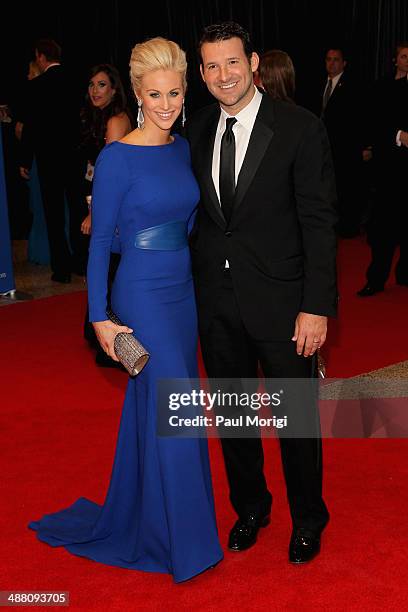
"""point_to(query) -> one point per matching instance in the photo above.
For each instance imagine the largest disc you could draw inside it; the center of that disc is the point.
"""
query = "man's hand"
(24, 173)
(310, 333)
(404, 138)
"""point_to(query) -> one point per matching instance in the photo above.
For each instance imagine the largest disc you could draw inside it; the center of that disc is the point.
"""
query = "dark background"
(92, 32)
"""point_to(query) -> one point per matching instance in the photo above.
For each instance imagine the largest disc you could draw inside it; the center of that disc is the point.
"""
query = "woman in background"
(277, 75)
(104, 119)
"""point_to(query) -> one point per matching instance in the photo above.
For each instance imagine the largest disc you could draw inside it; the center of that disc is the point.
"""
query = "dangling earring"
(140, 116)
(183, 115)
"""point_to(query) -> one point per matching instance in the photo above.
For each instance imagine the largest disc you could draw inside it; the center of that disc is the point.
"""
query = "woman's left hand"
(106, 332)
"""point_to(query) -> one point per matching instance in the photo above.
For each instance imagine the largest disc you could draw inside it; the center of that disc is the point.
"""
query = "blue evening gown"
(158, 514)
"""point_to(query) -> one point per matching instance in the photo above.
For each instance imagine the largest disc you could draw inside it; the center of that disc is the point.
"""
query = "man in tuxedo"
(263, 252)
(50, 134)
(341, 111)
(389, 224)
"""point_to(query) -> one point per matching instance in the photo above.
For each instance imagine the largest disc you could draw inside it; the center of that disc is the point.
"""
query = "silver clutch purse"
(130, 352)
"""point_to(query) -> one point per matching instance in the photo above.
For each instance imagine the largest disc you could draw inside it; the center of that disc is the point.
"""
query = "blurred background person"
(50, 135)
(38, 248)
(342, 113)
(33, 71)
(401, 60)
(277, 75)
(105, 118)
(388, 228)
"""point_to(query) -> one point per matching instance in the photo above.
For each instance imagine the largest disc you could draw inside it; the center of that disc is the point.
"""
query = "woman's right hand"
(106, 332)
(86, 225)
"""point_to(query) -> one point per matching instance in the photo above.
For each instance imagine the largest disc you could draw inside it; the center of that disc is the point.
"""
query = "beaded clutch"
(130, 352)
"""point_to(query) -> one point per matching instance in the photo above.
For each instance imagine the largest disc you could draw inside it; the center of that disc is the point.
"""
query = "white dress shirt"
(242, 132)
(51, 65)
(334, 81)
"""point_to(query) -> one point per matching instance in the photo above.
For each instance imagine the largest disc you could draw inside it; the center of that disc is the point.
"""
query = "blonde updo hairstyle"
(156, 54)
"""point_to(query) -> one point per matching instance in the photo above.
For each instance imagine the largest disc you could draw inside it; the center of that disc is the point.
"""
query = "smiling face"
(335, 63)
(401, 61)
(100, 90)
(162, 95)
(228, 73)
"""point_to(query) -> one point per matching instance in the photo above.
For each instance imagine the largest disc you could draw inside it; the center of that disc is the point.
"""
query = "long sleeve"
(110, 184)
(316, 197)
(27, 118)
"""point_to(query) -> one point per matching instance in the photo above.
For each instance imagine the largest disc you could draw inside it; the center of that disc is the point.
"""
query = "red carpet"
(58, 423)
(370, 333)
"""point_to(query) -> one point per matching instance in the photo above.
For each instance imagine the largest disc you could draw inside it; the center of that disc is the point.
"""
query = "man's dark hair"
(224, 31)
(49, 48)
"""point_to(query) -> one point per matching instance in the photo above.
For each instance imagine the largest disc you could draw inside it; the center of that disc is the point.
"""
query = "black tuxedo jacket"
(50, 118)
(344, 119)
(391, 161)
(280, 242)
(390, 115)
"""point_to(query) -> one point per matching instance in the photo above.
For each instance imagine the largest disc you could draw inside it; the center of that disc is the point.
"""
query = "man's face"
(401, 60)
(228, 74)
(41, 60)
(335, 63)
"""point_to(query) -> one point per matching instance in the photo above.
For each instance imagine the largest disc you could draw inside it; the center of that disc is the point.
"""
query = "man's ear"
(202, 72)
(254, 61)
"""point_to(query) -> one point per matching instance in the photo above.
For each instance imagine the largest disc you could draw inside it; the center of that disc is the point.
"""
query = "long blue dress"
(158, 514)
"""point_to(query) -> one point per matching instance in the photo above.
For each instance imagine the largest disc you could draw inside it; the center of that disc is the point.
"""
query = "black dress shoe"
(304, 545)
(61, 278)
(244, 533)
(369, 290)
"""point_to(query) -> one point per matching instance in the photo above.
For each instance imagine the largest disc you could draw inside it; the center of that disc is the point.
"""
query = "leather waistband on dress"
(170, 236)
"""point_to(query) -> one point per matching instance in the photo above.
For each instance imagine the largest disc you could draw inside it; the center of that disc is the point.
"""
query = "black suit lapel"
(337, 89)
(204, 168)
(262, 134)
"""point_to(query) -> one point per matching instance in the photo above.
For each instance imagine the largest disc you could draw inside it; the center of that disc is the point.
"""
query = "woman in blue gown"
(158, 514)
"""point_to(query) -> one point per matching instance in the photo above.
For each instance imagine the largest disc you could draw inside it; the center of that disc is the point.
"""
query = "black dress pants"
(387, 231)
(348, 170)
(230, 352)
(59, 183)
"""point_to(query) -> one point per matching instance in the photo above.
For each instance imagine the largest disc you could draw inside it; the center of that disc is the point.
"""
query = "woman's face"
(100, 90)
(162, 95)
